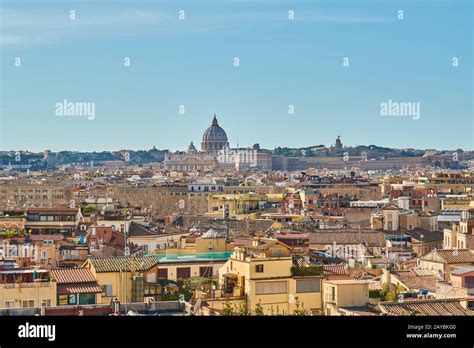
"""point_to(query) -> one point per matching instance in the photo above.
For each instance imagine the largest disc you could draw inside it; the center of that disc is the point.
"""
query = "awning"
(230, 275)
(81, 288)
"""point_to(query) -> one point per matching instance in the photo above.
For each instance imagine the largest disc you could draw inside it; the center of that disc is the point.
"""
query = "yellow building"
(211, 241)
(26, 288)
(344, 294)
(244, 203)
(263, 274)
(126, 278)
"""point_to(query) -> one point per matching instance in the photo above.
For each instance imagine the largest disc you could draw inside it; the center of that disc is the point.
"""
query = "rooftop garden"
(313, 270)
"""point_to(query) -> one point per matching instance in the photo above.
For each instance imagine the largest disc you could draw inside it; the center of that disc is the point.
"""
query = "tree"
(244, 309)
(300, 310)
(90, 208)
(390, 292)
(258, 309)
(227, 309)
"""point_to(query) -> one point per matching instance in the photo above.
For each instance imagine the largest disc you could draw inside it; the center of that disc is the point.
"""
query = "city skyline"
(284, 64)
(238, 146)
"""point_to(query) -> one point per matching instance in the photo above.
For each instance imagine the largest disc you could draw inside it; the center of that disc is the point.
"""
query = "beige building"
(344, 293)
(26, 288)
(186, 161)
(391, 218)
(41, 250)
(130, 279)
(461, 235)
(21, 194)
(460, 284)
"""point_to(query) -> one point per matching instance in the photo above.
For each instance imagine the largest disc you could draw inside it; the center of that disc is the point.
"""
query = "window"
(86, 298)
(28, 303)
(308, 285)
(62, 300)
(47, 302)
(205, 272)
(183, 272)
(9, 304)
(276, 253)
(107, 290)
(163, 273)
(333, 293)
(259, 268)
(267, 288)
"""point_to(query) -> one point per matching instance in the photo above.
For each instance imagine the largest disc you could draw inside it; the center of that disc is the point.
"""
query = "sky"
(286, 64)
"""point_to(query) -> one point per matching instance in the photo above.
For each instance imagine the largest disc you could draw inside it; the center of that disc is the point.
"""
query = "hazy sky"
(190, 62)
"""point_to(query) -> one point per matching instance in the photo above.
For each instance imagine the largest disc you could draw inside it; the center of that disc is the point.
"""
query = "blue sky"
(282, 62)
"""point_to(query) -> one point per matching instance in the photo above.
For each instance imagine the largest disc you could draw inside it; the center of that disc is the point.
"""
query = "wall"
(28, 291)
(347, 295)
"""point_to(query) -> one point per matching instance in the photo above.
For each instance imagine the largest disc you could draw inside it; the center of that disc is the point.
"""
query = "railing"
(39, 284)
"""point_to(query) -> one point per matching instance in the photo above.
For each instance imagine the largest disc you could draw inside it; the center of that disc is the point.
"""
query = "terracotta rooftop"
(82, 288)
(40, 237)
(414, 281)
(348, 237)
(438, 307)
(454, 255)
(123, 263)
(335, 270)
(73, 275)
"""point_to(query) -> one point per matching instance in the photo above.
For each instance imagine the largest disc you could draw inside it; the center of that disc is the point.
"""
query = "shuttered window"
(163, 273)
(266, 288)
(106, 290)
(308, 285)
(183, 272)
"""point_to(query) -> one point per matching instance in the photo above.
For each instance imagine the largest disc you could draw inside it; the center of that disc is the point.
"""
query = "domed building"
(214, 138)
(209, 158)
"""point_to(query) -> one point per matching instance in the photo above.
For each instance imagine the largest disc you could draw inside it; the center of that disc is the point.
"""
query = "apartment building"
(263, 274)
